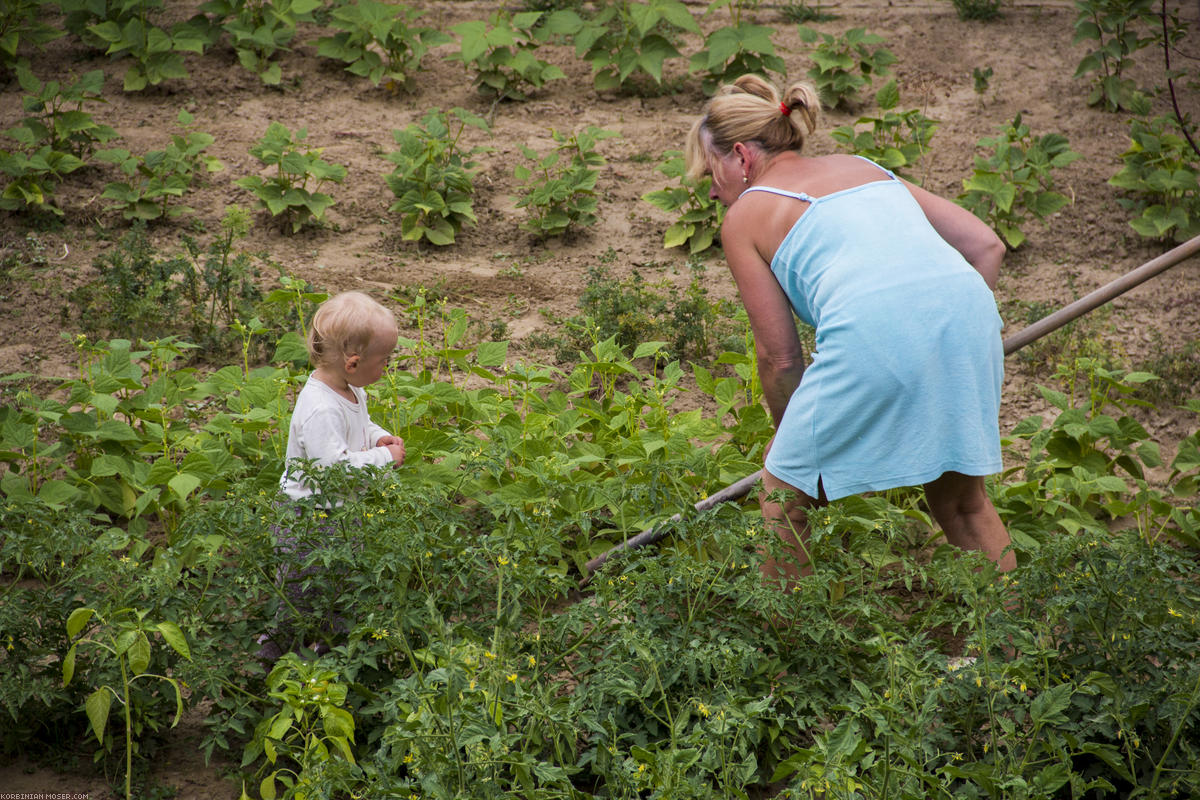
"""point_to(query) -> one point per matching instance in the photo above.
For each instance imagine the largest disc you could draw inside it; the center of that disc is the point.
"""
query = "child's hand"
(395, 446)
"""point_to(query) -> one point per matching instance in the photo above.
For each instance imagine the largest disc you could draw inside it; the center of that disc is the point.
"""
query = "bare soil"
(499, 272)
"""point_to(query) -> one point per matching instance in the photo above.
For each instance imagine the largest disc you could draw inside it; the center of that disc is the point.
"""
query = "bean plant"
(1114, 30)
(379, 41)
(433, 176)
(502, 54)
(21, 26)
(54, 141)
(1014, 182)
(260, 30)
(157, 52)
(735, 49)
(559, 190)
(286, 194)
(700, 216)
(56, 116)
(896, 140)
(1160, 179)
(844, 66)
(160, 175)
(626, 41)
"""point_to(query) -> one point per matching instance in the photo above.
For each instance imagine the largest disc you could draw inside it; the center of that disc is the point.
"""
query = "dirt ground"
(499, 272)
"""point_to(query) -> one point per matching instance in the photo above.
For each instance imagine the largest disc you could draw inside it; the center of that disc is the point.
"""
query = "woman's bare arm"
(777, 346)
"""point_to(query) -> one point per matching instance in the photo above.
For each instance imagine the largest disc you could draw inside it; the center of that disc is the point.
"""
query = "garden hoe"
(1037, 330)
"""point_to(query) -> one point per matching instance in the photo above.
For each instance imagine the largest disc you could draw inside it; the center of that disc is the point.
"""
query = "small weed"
(801, 11)
(978, 10)
(982, 79)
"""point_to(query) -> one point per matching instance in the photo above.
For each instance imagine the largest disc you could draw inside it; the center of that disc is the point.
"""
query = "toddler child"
(349, 343)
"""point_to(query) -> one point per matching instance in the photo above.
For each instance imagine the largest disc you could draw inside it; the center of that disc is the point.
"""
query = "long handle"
(736, 491)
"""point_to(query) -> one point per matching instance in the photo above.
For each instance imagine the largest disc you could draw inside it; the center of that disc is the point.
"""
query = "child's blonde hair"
(343, 327)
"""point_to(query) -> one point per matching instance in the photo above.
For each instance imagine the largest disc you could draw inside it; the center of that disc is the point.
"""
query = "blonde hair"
(751, 110)
(343, 327)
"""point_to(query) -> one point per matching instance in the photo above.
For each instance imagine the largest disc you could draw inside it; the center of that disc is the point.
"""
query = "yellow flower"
(703, 709)
(978, 681)
(512, 678)
(532, 661)
(1024, 688)
(488, 654)
(408, 759)
(502, 561)
(1173, 612)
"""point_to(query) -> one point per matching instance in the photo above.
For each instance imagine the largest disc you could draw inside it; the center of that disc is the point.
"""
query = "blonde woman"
(904, 385)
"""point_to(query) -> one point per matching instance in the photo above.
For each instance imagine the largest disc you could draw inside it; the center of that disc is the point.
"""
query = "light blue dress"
(905, 381)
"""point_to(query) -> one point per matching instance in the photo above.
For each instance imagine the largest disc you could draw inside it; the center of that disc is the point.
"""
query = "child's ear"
(352, 363)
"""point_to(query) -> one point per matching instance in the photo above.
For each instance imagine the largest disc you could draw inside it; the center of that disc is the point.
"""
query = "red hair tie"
(785, 109)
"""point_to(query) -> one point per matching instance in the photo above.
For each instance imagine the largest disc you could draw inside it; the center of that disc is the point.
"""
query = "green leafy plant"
(1161, 180)
(502, 54)
(198, 293)
(157, 52)
(432, 179)
(1014, 182)
(626, 41)
(559, 190)
(735, 49)
(122, 635)
(57, 118)
(700, 216)
(1090, 467)
(20, 25)
(160, 175)
(53, 141)
(311, 723)
(844, 66)
(981, 10)
(379, 41)
(896, 140)
(260, 30)
(1115, 29)
(287, 194)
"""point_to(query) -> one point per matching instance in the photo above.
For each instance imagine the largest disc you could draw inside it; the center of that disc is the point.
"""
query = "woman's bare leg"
(789, 521)
(961, 506)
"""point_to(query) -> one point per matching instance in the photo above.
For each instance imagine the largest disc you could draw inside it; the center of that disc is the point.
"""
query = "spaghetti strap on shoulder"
(784, 192)
(885, 170)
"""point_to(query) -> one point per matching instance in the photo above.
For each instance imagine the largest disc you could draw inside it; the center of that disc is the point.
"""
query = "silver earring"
(745, 179)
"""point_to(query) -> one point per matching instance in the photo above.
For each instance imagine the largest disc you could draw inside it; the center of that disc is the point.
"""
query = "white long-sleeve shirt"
(328, 428)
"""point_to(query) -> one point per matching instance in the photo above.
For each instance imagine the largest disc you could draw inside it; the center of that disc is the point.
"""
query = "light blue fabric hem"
(838, 491)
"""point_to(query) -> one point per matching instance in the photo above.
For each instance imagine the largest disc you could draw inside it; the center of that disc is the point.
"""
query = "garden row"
(626, 43)
(139, 570)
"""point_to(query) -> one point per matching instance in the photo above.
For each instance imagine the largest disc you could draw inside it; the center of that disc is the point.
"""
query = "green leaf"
(68, 667)
(491, 354)
(175, 638)
(184, 484)
(139, 654)
(97, 706)
(78, 620)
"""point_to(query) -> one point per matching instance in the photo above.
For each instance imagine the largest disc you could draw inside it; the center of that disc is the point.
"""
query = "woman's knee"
(956, 494)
